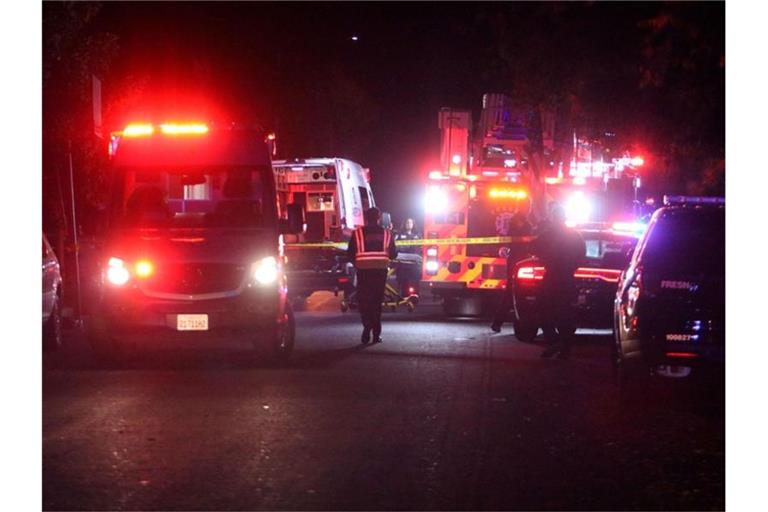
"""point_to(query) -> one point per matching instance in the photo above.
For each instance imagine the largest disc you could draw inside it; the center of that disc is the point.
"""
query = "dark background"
(651, 72)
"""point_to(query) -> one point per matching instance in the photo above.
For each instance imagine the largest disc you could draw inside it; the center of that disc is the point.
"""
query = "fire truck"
(194, 246)
(468, 205)
(334, 193)
(484, 180)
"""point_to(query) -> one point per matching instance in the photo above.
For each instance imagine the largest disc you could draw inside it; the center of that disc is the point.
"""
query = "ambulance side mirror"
(295, 223)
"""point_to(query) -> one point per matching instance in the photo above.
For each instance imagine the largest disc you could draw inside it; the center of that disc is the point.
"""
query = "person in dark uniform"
(561, 250)
(408, 272)
(518, 226)
(371, 248)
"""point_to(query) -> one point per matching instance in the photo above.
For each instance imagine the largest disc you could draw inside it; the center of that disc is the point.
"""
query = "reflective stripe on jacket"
(371, 259)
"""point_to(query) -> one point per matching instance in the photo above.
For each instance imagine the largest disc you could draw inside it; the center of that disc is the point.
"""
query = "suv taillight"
(531, 273)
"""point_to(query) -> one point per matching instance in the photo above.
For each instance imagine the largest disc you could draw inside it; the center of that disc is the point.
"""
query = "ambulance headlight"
(432, 266)
(578, 208)
(117, 272)
(435, 202)
(265, 271)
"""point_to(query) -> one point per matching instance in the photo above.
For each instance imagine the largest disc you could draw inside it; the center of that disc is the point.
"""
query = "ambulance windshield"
(195, 198)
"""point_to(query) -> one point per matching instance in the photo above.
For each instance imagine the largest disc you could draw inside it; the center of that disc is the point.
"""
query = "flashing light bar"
(184, 128)
(670, 200)
(138, 130)
(436, 175)
(629, 227)
(146, 129)
(502, 193)
(490, 173)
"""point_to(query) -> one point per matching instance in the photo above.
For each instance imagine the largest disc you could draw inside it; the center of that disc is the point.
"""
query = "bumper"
(592, 310)
(137, 317)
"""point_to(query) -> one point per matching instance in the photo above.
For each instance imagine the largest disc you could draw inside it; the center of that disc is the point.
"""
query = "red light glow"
(138, 130)
(605, 274)
(687, 355)
(184, 128)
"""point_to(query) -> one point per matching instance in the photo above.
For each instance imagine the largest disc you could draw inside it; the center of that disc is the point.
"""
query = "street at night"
(323, 256)
(442, 415)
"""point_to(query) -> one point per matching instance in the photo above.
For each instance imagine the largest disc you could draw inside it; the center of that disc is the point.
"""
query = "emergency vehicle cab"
(334, 193)
(194, 247)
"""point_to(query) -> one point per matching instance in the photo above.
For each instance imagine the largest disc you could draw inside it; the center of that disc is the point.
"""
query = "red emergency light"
(146, 129)
(138, 130)
(184, 128)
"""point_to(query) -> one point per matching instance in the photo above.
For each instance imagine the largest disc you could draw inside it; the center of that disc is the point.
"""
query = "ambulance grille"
(196, 278)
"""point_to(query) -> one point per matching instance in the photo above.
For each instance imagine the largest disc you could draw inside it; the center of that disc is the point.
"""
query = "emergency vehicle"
(334, 193)
(468, 205)
(608, 250)
(669, 309)
(194, 249)
(485, 179)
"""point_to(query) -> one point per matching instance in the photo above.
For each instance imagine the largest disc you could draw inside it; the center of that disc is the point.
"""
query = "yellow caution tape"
(424, 241)
(466, 241)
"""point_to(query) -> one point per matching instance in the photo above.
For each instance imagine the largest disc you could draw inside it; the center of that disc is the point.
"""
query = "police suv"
(669, 310)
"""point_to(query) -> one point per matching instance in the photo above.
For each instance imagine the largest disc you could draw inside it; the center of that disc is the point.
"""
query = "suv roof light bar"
(672, 200)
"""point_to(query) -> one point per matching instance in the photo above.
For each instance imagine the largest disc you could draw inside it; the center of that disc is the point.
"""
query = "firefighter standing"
(561, 250)
(518, 226)
(371, 248)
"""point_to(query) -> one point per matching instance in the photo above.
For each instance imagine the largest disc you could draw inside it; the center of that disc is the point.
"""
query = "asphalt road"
(442, 415)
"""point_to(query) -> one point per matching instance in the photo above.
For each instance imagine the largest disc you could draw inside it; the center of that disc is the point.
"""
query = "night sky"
(296, 68)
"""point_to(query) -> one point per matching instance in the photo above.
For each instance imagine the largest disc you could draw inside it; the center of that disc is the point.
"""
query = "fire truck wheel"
(277, 348)
(52, 330)
(525, 331)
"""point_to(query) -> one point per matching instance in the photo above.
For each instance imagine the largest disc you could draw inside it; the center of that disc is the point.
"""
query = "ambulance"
(334, 193)
(194, 249)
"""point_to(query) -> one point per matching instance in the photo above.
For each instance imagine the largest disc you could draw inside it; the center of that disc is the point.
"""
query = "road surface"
(442, 415)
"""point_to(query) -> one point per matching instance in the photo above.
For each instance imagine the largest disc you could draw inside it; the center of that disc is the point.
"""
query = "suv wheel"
(525, 331)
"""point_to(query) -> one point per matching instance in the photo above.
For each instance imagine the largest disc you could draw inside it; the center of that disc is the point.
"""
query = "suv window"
(687, 241)
(608, 251)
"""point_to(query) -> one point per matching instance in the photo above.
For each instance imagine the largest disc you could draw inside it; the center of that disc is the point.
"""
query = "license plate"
(192, 322)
